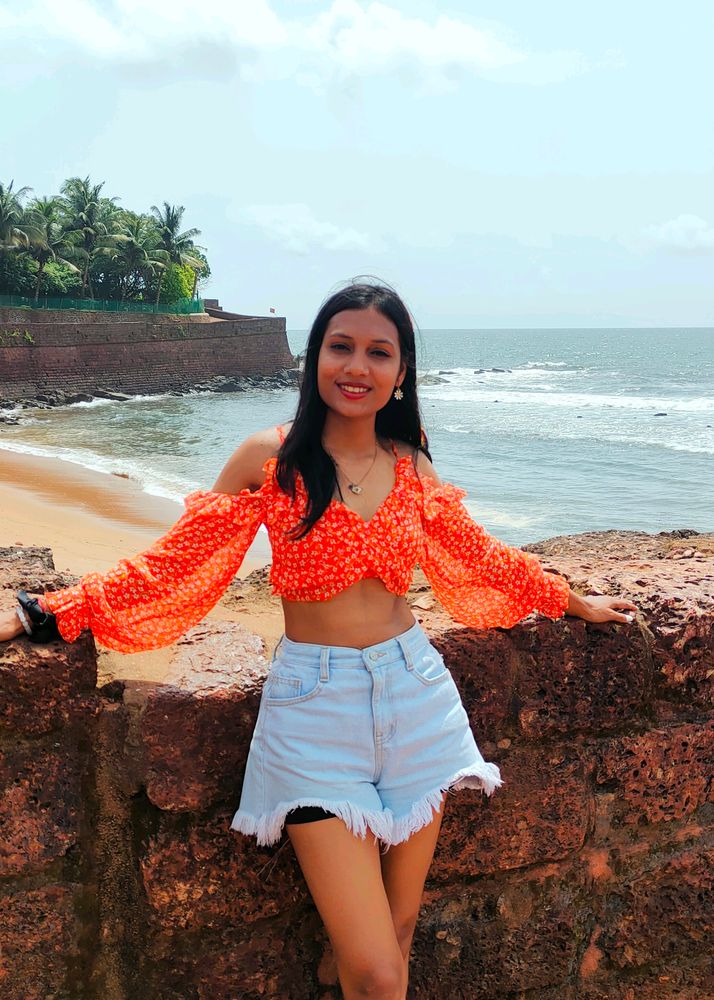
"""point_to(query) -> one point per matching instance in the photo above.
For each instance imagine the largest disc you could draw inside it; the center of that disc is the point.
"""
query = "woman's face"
(359, 364)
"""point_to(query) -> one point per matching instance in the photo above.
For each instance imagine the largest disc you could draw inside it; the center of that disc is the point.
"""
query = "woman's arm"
(151, 599)
(482, 581)
(10, 625)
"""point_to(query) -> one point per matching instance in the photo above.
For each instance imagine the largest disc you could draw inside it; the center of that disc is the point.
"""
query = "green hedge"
(97, 305)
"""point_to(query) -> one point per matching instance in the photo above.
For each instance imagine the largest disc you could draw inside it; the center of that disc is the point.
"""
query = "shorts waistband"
(406, 645)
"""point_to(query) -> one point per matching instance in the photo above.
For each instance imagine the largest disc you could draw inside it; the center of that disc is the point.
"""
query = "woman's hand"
(10, 626)
(599, 608)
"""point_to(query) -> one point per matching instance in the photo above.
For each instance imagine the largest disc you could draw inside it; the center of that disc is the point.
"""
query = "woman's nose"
(356, 363)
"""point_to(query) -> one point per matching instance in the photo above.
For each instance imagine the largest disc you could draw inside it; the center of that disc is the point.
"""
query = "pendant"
(354, 488)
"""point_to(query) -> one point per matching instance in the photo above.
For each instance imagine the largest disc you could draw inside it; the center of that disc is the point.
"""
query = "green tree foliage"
(18, 274)
(177, 283)
(82, 244)
(16, 227)
(61, 278)
(48, 241)
(179, 246)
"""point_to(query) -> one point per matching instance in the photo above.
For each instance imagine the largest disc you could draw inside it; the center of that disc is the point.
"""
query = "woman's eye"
(337, 347)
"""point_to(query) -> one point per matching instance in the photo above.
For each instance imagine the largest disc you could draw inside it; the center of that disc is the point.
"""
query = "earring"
(398, 394)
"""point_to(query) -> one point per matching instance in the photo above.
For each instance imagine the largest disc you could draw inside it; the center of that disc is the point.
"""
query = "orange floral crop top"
(153, 598)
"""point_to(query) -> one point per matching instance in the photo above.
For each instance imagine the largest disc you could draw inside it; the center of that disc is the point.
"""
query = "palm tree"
(137, 252)
(86, 220)
(16, 227)
(178, 245)
(48, 240)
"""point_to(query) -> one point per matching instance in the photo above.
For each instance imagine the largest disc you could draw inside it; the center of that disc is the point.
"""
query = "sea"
(550, 432)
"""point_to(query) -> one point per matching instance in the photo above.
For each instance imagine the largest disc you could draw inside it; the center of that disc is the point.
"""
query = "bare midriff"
(361, 615)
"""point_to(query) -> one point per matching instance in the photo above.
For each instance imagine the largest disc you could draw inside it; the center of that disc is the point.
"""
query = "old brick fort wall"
(44, 350)
(587, 876)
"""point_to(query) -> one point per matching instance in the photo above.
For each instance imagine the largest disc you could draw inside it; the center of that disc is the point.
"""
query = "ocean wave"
(100, 401)
(568, 400)
(500, 519)
(548, 364)
(598, 434)
(88, 404)
(155, 484)
(498, 372)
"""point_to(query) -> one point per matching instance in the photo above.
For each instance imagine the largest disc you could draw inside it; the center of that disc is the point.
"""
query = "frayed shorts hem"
(385, 826)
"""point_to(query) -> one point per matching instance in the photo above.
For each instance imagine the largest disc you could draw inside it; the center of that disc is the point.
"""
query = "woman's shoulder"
(267, 442)
(421, 463)
(246, 466)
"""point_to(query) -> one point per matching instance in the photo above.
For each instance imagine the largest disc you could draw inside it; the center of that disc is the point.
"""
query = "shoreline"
(92, 519)
(89, 519)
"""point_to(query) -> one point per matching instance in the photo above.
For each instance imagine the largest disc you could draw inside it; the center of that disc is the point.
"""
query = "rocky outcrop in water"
(587, 876)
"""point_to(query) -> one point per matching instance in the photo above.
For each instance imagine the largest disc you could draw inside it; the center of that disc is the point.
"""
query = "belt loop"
(406, 651)
(325, 663)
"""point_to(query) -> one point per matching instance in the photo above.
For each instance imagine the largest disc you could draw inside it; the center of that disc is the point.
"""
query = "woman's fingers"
(622, 616)
(609, 609)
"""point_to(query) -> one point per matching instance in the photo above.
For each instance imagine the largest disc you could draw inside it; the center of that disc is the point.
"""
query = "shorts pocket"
(429, 667)
(286, 686)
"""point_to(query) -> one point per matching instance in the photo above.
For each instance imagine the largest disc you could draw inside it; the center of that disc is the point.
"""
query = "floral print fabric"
(153, 598)
(481, 581)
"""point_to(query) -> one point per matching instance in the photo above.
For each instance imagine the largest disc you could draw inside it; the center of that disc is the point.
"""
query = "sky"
(510, 164)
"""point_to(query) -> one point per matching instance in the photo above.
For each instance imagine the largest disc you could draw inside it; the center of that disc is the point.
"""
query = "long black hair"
(399, 420)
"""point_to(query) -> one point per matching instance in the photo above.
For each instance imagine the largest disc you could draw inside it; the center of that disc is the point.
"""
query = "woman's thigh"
(404, 870)
(344, 876)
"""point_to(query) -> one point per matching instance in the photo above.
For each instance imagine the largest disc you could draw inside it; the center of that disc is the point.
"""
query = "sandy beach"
(90, 520)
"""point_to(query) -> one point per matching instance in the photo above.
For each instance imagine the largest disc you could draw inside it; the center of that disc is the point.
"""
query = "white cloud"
(361, 38)
(686, 234)
(296, 228)
(349, 38)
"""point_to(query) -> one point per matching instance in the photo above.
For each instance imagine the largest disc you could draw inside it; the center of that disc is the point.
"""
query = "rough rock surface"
(587, 875)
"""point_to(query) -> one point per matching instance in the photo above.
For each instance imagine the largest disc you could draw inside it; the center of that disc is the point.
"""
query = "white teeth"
(354, 389)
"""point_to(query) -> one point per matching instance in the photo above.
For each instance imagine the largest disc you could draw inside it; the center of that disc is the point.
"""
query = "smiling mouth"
(353, 391)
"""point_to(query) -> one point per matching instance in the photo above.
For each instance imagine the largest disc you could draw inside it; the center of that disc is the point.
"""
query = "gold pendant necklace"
(356, 487)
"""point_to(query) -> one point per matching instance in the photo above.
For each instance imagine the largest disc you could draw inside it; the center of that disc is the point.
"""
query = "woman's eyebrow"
(376, 340)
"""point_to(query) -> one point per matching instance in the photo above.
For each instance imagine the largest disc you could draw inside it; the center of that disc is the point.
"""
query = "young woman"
(361, 730)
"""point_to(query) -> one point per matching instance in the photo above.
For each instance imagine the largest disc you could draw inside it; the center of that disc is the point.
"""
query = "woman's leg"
(404, 870)
(344, 876)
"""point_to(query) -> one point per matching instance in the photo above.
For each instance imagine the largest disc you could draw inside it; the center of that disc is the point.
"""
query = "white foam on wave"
(691, 445)
(88, 404)
(519, 373)
(568, 400)
(13, 411)
(100, 401)
(545, 364)
(499, 518)
(160, 485)
(628, 439)
(169, 487)
(153, 397)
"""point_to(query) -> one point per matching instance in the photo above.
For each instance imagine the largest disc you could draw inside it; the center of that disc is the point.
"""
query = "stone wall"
(43, 350)
(587, 875)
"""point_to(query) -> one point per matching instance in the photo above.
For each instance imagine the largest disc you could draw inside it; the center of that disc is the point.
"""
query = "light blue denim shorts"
(373, 735)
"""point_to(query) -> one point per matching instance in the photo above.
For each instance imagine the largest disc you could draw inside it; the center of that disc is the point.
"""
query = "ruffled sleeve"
(481, 581)
(151, 599)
